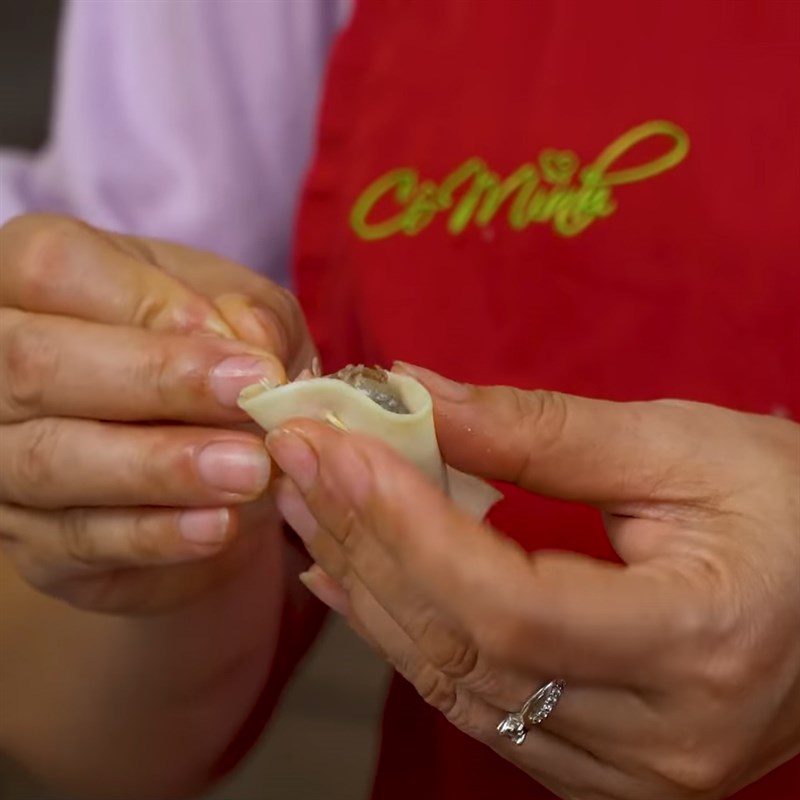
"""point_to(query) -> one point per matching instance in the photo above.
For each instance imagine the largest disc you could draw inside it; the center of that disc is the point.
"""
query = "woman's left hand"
(682, 666)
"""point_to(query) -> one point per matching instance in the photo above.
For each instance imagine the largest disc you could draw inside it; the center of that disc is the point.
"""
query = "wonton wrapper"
(412, 435)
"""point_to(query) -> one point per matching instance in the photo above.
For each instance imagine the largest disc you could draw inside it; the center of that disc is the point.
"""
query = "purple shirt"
(187, 120)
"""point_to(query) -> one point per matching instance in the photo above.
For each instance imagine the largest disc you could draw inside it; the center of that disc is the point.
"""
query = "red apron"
(596, 197)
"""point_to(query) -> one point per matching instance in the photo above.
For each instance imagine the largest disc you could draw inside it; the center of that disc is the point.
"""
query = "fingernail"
(325, 589)
(442, 387)
(295, 511)
(233, 374)
(217, 327)
(235, 467)
(294, 456)
(207, 526)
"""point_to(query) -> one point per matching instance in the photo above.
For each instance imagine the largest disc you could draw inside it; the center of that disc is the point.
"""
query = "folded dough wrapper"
(412, 434)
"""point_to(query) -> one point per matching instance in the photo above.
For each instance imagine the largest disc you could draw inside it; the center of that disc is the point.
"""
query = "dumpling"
(393, 407)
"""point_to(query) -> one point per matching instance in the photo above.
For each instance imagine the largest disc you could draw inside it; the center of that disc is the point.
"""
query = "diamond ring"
(535, 710)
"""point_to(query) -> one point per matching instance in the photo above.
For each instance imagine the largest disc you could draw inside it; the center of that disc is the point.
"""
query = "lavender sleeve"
(190, 120)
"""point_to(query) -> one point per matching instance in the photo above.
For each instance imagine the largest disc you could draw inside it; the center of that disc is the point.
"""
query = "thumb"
(576, 448)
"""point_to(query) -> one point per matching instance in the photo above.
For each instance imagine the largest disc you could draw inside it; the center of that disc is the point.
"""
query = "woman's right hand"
(123, 454)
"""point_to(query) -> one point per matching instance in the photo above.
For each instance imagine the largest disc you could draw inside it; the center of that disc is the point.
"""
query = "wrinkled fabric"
(191, 121)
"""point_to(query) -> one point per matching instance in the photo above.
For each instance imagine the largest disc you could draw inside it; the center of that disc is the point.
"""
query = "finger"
(374, 624)
(555, 762)
(118, 587)
(52, 545)
(271, 318)
(606, 722)
(321, 546)
(575, 448)
(254, 324)
(273, 311)
(362, 566)
(363, 613)
(59, 463)
(331, 577)
(57, 265)
(561, 765)
(326, 590)
(67, 367)
(555, 615)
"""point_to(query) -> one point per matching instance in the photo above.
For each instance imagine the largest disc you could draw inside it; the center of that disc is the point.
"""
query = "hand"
(124, 455)
(682, 666)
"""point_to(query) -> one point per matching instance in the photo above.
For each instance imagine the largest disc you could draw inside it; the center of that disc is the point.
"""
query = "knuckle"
(189, 374)
(43, 253)
(346, 532)
(462, 717)
(30, 359)
(76, 536)
(34, 463)
(165, 370)
(161, 303)
(151, 308)
(461, 661)
(435, 689)
(156, 372)
(453, 655)
(716, 650)
(729, 674)
(543, 410)
(690, 624)
(542, 416)
(166, 467)
(145, 536)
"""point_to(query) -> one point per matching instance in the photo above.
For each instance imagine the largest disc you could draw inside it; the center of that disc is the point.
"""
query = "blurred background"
(322, 743)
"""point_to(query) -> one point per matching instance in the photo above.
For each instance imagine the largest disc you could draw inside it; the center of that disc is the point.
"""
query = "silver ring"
(535, 710)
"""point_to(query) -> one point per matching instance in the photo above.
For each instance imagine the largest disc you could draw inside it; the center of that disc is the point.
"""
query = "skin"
(682, 663)
(109, 398)
(130, 485)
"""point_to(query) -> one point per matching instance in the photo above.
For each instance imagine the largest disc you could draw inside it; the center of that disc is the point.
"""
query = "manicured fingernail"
(230, 376)
(204, 525)
(442, 387)
(294, 456)
(294, 510)
(236, 467)
(325, 589)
